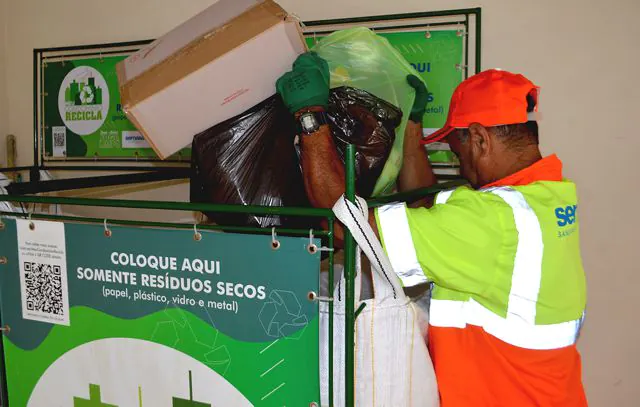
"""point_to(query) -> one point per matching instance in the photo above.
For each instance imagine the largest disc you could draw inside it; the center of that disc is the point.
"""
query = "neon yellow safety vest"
(506, 259)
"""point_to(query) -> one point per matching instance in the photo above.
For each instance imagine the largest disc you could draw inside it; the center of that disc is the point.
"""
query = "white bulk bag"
(392, 364)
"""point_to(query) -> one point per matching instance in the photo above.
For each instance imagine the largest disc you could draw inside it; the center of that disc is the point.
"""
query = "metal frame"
(328, 235)
(410, 20)
(177, 206)
(149, 174)
(40, 58)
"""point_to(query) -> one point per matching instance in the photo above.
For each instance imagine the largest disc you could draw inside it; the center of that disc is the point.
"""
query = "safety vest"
(523, 317)
(538, 299)
(504, 260)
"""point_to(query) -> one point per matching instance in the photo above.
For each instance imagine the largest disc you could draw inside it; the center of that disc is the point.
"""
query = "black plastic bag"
(359, 118)
(251, 159)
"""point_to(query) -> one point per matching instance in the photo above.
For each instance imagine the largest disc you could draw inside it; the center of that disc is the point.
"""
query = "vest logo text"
(566, 215)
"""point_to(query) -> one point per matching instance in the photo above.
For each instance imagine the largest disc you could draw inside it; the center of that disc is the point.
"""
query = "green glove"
(307, 84)
(420, 102)
(311, 60)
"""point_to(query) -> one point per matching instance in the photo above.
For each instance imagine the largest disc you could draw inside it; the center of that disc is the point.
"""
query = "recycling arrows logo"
(281, 315)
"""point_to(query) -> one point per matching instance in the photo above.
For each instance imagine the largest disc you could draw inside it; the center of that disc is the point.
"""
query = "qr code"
(59, 140)
(43, 288)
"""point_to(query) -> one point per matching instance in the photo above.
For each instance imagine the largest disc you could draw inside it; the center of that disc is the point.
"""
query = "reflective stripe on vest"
(518, 328)
(527, 265)
(393, 221)
(400, 249)
(514, 331)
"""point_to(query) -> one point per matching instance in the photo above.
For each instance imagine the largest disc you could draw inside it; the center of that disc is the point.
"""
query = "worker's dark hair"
(516, 136)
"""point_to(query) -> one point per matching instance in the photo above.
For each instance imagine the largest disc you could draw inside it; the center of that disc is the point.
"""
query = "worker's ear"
(480, 140)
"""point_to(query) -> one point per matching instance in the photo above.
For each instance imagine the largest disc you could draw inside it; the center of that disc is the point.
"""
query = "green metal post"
(411, 196)
(330, 294)
(34, 173)
(478, 40)
(465, 63)
(349, 267)
(388, 17)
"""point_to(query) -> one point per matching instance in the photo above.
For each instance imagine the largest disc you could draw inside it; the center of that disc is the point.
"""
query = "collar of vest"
(546, 169)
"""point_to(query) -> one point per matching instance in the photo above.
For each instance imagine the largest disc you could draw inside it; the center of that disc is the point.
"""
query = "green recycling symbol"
(86, 95)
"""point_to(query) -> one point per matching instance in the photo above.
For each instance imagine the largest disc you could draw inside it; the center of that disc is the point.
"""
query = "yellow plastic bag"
(359, 58)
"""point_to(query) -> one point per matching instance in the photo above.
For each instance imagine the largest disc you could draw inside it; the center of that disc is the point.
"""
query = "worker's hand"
(420, 102)
(307, 84)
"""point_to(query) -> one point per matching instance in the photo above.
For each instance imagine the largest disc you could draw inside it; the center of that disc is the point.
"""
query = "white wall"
(583, 53)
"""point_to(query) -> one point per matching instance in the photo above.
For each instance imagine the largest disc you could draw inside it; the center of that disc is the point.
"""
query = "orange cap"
(491, 98)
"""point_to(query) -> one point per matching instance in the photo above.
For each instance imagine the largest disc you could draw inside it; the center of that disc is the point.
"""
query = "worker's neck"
(512, 162)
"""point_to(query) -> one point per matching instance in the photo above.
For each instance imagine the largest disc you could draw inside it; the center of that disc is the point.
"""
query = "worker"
(503, 254)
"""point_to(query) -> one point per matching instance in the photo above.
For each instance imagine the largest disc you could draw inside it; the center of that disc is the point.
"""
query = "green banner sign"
(154, 318)
(438, 58)
(83, 116)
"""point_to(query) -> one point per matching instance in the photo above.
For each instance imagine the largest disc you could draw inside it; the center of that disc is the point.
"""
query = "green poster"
(437, 59)
(155, 318)
(83, 116)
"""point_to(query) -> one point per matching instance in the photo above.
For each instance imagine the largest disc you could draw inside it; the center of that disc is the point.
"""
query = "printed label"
(43, 271)
(59, 141)
(134, 139)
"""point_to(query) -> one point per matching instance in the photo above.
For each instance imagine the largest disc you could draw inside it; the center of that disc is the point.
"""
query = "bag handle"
(354, 217)
(339, 290)
(380, 289)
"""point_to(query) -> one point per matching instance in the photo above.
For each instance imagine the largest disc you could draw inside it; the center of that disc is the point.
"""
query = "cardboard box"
(212, 67)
